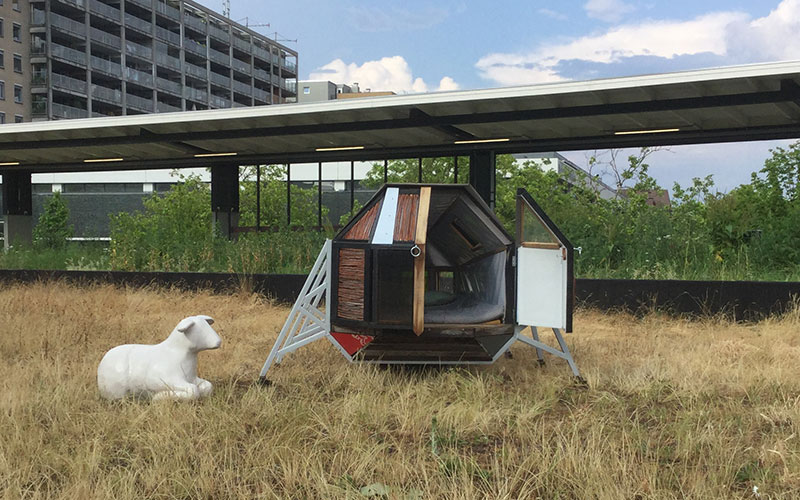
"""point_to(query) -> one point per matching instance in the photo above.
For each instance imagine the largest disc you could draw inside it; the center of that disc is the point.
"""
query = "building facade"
(87, 58)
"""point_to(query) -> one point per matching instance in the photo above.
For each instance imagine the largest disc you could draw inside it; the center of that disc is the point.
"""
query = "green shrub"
(53, 229)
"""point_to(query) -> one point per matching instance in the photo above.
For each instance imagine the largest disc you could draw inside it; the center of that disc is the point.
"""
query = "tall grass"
(676, 409)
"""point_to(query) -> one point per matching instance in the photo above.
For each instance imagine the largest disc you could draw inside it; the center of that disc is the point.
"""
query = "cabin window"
(471, 242)
(394, 286)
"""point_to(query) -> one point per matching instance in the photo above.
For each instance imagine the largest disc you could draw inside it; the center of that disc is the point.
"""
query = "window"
(18, 118)
(2, 117)
(18, 94)
(17, 63)
(16, 32)
(15, 5)
(2, 59)
(2, 91)
(1, 28)
(306, 90)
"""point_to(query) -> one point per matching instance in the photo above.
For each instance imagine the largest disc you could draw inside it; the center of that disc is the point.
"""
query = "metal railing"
(194, 47)
(262, 75)
(39, 108)
(241, 66)
(112, 96)
(218, 33)
(136, 23)
(140, 77)
(195, 94)
(168, 10)
(261, 95)
(194, 22)
(78, 4)
(242, 88)
(163, 107)
(219, 57)
(67, 24)
(261, 53)
(38, 17)
(68, 83)
(168, 61)
(195, 71)
(64, 111)
(168, 36)
(220, 102)
(68, 54)
(168, 85)
(139, 102)
(221, 80)
(144, 3)
(292, 67)
(106, 38)
(39, 78)
(290, 85)
(109, 67)
(241, 44)
(104, 10)
(138, 50)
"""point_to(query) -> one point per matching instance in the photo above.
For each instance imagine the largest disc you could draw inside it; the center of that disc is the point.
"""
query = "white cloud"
(388, 73)
(552, 14)
(732, 37)
(607, 10)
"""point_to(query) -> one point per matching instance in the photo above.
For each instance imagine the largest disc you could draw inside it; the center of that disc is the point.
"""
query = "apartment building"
(85, 58)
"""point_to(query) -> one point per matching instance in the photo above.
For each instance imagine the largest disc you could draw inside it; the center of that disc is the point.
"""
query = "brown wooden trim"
(418, 322)
(536, 244)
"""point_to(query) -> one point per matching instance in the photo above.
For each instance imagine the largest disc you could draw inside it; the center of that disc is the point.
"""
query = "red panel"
(352, 343)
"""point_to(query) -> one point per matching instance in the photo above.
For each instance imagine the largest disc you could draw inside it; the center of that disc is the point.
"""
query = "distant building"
(324, 90)
(552, 161)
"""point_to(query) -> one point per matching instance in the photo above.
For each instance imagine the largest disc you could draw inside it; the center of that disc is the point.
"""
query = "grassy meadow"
(675, 409)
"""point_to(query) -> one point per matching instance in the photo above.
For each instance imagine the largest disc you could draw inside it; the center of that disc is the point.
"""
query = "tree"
(53, 229)
(273, 199)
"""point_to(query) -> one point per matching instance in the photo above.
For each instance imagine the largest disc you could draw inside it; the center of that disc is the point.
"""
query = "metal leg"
(539, 353)
(565, 350)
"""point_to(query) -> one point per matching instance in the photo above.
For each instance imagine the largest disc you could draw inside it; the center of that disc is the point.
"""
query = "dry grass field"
(676, 409)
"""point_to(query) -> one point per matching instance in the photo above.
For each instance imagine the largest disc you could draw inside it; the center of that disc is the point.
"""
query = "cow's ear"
(208, 319)
(185, 324)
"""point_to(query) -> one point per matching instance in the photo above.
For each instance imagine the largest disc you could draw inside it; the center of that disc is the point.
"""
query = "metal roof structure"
(739, 103)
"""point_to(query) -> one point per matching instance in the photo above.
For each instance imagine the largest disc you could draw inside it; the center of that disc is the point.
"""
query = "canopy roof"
(740, 103)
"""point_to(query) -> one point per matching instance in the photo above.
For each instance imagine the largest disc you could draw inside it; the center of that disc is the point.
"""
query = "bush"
(53, 229)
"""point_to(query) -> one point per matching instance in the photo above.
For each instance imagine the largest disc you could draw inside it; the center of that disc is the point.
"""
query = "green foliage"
(434, 170)
(273, 199)
(53, 228)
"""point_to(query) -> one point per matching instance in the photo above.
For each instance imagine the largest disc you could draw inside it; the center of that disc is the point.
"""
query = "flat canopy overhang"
(740, 103)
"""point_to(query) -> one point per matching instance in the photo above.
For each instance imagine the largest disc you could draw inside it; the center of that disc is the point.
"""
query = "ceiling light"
(654, 131)
(340, 148)
(209, 155)
(480, 141)
(101, 160)
(9, 164)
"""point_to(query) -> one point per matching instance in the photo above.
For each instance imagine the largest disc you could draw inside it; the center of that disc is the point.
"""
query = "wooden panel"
(550, 246)
(405, 222)
(418, 323)
(362, 229)
(351, 284)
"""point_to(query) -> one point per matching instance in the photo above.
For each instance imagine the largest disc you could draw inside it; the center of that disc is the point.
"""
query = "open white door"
(544, 269)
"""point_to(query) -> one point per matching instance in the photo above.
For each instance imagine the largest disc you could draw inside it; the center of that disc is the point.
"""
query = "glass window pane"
(533, 229)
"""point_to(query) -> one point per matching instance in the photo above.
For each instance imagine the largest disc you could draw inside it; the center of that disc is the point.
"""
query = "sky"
(427, 46)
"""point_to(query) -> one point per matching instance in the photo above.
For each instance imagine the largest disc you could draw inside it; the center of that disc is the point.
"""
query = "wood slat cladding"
(362, 229)
(405, 223)
(351, 283)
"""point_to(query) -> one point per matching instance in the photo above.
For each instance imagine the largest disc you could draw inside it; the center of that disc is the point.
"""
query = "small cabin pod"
(427, 274)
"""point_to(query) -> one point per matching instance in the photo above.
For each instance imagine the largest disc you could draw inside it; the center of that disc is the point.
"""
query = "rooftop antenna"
(226, 8)
(254, 25)
(275, 37)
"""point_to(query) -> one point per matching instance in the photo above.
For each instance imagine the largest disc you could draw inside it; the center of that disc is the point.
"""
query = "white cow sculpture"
(164, 371)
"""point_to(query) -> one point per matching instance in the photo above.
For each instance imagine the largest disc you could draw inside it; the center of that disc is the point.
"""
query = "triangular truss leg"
(306, 322)
(542, 347)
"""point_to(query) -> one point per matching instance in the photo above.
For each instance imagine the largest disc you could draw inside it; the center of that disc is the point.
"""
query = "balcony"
(241, 44)
(290, 67)
(78, 4)
(168, 10)
(112, 96)
(194, 47)
(242, 88)
(219, 57)
(261, 95)
(219, 33)
(68, 112)
(195, 71)
(39, 79)
(262, 75)
(39, 108)
(138, 24)
(220, 80)
(261, 53)
(144, 3)
(195, 94)
(105, 38)
(110, 68)
(241, 66)
(104, 10)
(290, 85)
(68, 83)
(168, 36)
(163, 107)
(195, 22)
(136, 49)
(168, 61)
(67, 24)
(162, 84)
(134, 101)
(220, 102)
(68, 54)
(140, 77)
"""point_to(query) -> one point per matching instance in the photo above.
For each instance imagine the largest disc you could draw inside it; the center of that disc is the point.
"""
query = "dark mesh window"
(394, 286)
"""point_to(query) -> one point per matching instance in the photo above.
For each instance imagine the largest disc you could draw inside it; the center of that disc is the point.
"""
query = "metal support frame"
(306, 322)
(542, 347)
